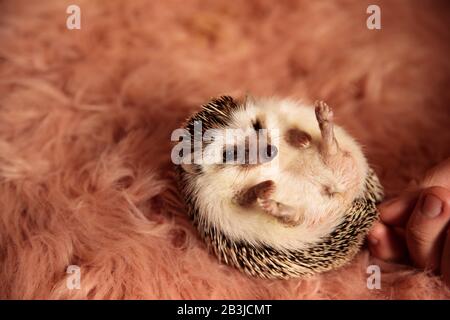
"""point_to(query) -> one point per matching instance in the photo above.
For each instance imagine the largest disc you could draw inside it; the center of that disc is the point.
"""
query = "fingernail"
(432, 206)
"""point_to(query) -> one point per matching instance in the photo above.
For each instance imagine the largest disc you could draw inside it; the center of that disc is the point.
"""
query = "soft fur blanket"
(86, 117)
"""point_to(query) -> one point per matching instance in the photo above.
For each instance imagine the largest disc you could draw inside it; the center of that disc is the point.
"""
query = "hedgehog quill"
(301, 204)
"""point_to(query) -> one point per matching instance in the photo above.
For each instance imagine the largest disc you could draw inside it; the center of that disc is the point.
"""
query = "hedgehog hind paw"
(284, 214)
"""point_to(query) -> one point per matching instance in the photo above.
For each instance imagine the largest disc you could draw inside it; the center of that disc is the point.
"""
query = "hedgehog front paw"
(284, 214)
(265, 189)
(261, 193)
(298, 138)
(261, 190)
(291, 220)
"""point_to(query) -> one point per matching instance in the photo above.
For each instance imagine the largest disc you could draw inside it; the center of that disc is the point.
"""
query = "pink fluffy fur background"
(86, 117)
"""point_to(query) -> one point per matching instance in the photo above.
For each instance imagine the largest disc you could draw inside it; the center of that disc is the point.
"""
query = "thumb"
(425, 230)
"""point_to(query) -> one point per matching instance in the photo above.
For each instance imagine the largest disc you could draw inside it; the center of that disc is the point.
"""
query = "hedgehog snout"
(269, 154)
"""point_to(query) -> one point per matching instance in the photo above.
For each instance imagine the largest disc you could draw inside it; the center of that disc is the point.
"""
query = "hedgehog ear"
(243, 99)
(248, 98)
(189, 168)
(187, 163)
(222, 103)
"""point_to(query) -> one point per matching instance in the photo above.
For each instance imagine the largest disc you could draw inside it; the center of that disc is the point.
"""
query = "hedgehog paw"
(324, 113)
(281, 212)
(290, 220)
(324, 116)
(265, 189)
(262, 190)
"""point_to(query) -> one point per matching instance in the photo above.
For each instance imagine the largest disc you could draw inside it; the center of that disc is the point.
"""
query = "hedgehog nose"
(271, 152)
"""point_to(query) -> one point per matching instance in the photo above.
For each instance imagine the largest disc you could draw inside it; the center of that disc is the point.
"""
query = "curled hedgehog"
(300, 207)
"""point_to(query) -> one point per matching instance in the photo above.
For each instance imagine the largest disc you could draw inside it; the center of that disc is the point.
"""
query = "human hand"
(415, 226)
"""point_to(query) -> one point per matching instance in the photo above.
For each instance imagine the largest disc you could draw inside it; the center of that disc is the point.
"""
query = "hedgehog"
(297, 204)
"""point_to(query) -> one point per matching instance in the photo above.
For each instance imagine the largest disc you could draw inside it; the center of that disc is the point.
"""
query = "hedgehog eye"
(257, 125)
(229, 154)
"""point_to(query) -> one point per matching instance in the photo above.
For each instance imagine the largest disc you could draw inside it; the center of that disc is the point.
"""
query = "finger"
(445, 260)
(438, 175)
(386, 244)
(396, 212)
(425, 231)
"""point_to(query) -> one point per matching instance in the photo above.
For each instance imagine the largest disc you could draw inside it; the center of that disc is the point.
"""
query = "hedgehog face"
(283, 177)
(243, 144)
